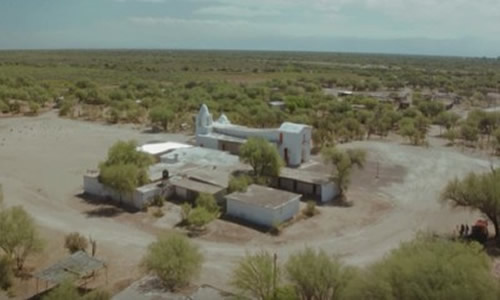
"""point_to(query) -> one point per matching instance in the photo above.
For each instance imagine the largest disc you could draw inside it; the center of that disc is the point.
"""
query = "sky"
(429, 27)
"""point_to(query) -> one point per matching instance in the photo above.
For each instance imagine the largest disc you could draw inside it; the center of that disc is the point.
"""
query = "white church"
(292, 140)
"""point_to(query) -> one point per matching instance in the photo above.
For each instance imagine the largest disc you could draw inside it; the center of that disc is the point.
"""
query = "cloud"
(236, 11)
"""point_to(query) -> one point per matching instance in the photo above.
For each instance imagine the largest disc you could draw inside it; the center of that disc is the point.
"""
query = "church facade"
(292, 140)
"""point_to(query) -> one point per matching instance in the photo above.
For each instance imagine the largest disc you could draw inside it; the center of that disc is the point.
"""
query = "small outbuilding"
(189, 189)
(262, 205)
(308, 183)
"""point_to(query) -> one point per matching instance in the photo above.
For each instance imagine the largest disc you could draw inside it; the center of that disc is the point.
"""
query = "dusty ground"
(42, 160)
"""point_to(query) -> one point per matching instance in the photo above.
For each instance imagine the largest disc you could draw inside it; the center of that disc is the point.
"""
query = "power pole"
(275, 276)
(378, 169)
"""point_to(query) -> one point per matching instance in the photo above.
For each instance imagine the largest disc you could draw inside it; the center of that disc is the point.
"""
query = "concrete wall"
(231, 147)
(207, 142)
(138, 199)
(287, 211)
(328, 192)
(260, 215)
(298, 145)
(324, 192)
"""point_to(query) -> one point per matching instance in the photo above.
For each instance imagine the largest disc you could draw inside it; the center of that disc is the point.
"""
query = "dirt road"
(42, 160)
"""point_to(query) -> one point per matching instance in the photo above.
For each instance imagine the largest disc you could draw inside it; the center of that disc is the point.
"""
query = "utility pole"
(378, 169)
(275, 276)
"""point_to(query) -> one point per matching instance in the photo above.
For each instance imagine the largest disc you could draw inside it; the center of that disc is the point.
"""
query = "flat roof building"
(308, 183)
(262, 205)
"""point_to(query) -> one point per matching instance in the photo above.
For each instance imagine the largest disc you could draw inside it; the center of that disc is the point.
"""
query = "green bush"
(34, 107)
(4, 107)
(66, 108)
(174, 260)
(186, 209)
(310, 210)
(158, 201)
(209, 203)
(158, 213)
(200, 216)
(75, 242)
(239, 184)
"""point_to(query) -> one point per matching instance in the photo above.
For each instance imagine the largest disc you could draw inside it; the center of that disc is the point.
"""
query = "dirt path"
(42, 161)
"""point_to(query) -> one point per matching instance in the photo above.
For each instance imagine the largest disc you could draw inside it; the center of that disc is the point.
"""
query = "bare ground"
(42, 160)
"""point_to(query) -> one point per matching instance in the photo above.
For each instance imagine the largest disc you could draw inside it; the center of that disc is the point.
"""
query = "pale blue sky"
(454, 27)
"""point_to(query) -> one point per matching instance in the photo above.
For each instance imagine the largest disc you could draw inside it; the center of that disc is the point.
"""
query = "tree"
(496, 134)
(262, 156)
(161, 115)
(428, 268)
(344, 162)
(447, 119)
(407, 129)
(469, 132)
(5, 273)
(19, 237)
(414, 129)
(451, 135)
(75, 242)
(123, 178)
(125, 168)
(125, 152)
(477, 191)
(257, 276)
(238, 184)
(174, 260)
(317, 276)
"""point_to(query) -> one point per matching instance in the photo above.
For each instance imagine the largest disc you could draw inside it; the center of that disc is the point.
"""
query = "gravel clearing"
(43, 159)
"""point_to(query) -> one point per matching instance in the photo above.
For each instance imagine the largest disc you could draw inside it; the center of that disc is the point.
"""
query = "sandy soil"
(42, 160)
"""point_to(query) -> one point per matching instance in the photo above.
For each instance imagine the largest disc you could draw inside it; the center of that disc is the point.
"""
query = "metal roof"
(72, 267)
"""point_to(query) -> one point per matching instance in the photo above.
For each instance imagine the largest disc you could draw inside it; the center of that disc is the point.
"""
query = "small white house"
(140, 198)
(262, 205)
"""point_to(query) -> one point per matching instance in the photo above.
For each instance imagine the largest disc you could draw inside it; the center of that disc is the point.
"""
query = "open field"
(42, 160)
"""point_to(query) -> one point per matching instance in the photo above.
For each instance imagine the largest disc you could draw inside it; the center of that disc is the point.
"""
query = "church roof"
(292, 127)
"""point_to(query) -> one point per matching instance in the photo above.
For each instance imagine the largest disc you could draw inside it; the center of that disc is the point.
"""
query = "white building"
(263, 206)
(139, 199)
(190, 171)
(292, 140)
(312, 185)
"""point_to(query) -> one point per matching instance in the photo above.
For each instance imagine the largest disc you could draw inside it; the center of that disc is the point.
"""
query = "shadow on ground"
(103, 207)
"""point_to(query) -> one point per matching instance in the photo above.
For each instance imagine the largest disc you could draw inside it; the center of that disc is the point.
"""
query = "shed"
(138, 199)
(77, 266)
(308, 183)
(189, 189)
(262, 205)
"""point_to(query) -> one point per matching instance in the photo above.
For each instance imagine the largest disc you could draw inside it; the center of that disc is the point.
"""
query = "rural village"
(198, 199)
